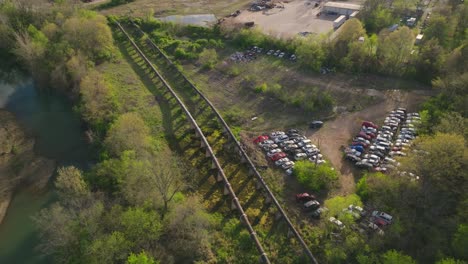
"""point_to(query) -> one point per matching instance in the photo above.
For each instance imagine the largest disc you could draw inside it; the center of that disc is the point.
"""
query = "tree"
(311, 53)
(71, 186)
(450, 261)
(336, 204)
(376, 15)
(349, 33)
(395, 257)
(141, 258)
(141, 227)
(460, 241)
(188, 227)
(453, 123)
(128, 132)
(112, 248)
(30, 48)
(430, 60)
(394, 50)
(442, 164)
(98, 106)
(315, 177)
(89, 33)
(438, 28)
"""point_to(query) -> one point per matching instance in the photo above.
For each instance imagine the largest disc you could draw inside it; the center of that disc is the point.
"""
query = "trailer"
(339, 21)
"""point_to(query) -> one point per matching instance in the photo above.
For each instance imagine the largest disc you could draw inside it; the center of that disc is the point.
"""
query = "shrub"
(261, 88)
(315, 177)
(208, 58)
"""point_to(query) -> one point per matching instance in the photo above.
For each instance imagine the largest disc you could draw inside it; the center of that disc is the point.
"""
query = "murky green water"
(49, 118)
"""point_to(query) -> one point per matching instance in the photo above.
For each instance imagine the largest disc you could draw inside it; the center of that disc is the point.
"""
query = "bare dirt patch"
(289, 18)
(338, 132)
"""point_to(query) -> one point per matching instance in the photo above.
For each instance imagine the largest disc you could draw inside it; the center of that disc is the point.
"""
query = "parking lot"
(375, 148)
(283, 149)
(289, 19)
(253, 52)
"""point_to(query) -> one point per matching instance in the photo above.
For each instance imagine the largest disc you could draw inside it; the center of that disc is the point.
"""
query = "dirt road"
(338, 132)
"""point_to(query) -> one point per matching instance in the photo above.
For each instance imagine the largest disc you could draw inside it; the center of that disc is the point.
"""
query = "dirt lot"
(288, 19)
(358, 98)
(178, 7)
(338, 132)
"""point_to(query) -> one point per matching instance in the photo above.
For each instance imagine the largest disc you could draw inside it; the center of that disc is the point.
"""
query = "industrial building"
(339, 8)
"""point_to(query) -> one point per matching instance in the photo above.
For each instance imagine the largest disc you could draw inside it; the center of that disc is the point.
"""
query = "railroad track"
(204, 118)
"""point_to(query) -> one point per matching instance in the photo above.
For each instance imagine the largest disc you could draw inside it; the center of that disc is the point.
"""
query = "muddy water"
(49, 118)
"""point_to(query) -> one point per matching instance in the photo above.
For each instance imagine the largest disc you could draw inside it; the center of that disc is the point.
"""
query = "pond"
(57, 131)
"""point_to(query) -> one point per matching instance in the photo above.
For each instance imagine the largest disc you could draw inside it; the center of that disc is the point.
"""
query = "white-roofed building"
(341, 8)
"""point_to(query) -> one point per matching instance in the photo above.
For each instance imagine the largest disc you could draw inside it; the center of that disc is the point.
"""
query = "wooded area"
(137, 204)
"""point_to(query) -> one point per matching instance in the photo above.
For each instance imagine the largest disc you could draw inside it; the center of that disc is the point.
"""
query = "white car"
(272, 152)
(266, 142)
(281, 161)
(287, 165)
(276, 134)
(336, 222)
(300, 156)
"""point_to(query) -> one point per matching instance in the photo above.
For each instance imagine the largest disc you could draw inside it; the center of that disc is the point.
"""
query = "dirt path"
(338, 132)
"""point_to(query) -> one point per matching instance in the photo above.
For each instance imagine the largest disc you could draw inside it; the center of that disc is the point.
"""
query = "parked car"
(300, 156)
(312, 151)
(384, 216)
(316, 124)
(358, 148)
(304, 197)
(291, 147)
(269, 147)
(287, 165)
(337, 222)
(277, 134)
(311, 205)
(286, 142)
(270, 52)
(281, 161)
(353, 158)
(260, 139)
(281, 138)
(357, 143)
(369, 124)
(292, 131)
(265, 142)
(273, 152)
(317, 213)
(278, 156)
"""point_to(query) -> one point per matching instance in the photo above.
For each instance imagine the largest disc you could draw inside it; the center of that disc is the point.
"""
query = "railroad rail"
(270, 197)
(209, 151)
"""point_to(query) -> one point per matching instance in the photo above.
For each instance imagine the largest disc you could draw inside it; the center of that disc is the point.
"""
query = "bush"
(208, 58)
(261, 88)
(315, 177)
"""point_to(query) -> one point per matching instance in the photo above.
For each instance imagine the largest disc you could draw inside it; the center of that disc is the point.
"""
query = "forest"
(138, 204)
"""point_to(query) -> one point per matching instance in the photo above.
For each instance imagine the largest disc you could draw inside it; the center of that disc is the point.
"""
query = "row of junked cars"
(375, 148)
(373, 222)
(283, 148)
(251, 54)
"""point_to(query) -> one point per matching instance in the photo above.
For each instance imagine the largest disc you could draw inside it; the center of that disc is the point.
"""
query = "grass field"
(176, 7)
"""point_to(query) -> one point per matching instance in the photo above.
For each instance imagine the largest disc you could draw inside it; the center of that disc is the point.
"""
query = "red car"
(260, 139)
(278, 156)
(304, 197)
(369, 124)
(357, 143)
(364, 135)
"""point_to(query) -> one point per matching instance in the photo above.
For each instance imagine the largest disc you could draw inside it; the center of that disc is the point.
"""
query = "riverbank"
(19, 165)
